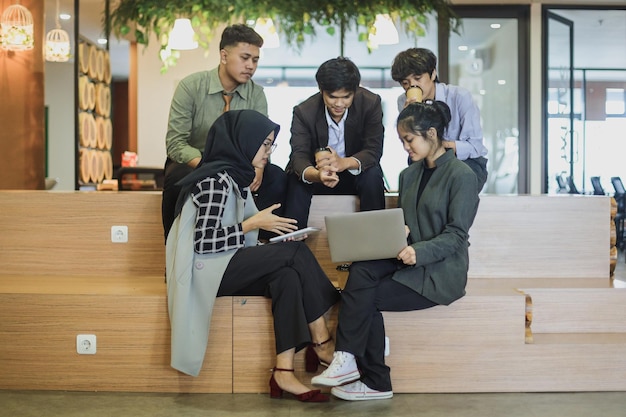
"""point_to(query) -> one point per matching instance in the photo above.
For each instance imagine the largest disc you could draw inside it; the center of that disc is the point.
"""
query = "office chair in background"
(571, 187)
(561, 183)
(597, 186)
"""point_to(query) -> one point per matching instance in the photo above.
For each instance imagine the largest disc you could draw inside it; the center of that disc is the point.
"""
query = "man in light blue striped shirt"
(416, 67)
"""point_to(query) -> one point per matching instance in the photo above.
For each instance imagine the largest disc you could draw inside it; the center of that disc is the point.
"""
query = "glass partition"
(484, 60)
(585, 96)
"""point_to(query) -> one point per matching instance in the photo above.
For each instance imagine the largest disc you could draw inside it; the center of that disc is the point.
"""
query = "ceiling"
(599, 37)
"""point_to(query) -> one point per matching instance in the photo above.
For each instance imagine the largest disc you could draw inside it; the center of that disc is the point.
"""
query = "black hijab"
(231, 145)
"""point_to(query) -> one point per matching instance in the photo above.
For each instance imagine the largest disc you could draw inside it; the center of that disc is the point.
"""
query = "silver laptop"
(365, 235)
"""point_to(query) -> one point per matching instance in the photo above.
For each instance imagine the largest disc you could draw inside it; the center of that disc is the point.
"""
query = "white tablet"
(297, 233)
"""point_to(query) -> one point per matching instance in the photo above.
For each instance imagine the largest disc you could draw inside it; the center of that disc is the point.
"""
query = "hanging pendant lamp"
(265, 27)
(16, 28)
(386, 32)
(182, 36)
(57, 43)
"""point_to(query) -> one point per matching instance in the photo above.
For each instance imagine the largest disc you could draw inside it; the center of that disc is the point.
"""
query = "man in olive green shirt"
(199, 100)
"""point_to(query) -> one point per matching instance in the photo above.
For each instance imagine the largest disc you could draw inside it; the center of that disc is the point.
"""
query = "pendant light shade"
(265, 27)
(182, 36)
(16, 28)
(57, 46)
(57, 43)
(386, 32)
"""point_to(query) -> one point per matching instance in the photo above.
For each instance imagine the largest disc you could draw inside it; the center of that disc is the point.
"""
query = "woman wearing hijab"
(212, 251)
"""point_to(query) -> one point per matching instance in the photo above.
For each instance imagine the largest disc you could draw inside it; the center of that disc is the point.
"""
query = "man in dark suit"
(336, 142)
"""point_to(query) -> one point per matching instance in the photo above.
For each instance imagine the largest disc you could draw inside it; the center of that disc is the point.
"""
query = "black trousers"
(479, 166)
(368, 185)
(361, 329)
(272, 190)
(289, 274)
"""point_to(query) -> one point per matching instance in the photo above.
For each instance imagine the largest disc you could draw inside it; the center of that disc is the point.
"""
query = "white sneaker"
(358, 391)
(342, 369)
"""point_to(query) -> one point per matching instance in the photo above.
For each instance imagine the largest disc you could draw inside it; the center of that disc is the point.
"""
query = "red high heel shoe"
(311, 360)
(313, 396)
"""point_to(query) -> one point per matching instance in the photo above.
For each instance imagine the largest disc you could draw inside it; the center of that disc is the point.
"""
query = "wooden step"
(540, 367)
(480, 319)
(69, 233)
(538, 282)
(565, 236)
(38, 340)
(254, 351)
(579, 338)
(537, 258)
(577, 310)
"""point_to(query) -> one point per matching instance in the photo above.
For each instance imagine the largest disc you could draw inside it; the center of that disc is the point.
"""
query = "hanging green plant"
(295, 20)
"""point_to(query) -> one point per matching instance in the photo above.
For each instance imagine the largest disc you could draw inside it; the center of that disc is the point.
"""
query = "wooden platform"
(540, 313)
(564, 236)
(129, 318)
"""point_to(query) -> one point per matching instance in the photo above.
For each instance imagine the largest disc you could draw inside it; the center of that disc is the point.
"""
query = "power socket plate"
(119, 234)
(86, 344)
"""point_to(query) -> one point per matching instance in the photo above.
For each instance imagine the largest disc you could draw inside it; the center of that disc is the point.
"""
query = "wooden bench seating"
(129, 318)
(539, 315)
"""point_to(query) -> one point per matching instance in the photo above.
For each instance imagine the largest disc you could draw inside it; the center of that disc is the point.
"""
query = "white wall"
(59, 98)
(155, 91)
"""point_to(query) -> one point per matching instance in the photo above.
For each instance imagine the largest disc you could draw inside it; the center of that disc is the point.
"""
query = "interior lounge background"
(530, 132)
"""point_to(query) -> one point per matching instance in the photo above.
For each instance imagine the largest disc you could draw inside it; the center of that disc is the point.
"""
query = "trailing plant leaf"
(296, 20)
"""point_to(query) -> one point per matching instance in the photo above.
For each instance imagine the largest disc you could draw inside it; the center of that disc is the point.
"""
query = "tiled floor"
(49, 404)
(70, 404)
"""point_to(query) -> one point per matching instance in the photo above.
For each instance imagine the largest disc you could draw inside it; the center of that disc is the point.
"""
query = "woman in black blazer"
(439, 196)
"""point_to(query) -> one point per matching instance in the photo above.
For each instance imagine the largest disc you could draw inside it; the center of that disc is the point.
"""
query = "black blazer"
(364, 131)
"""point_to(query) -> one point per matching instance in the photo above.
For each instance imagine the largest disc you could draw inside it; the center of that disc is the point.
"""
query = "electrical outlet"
(119, 234)
(86, 344)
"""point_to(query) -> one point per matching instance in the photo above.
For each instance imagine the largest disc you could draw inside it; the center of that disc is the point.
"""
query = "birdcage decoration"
(57, 48)
(16, 27)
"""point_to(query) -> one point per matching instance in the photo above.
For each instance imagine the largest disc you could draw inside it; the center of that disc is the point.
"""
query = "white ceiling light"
(182, 36)
(265, 27)
(385, 31)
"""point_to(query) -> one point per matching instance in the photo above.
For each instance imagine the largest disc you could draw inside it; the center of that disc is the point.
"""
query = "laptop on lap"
(365, 235)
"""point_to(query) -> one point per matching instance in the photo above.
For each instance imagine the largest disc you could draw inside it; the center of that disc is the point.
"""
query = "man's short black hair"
(240, 33)
(338, 73)
(413, 61)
